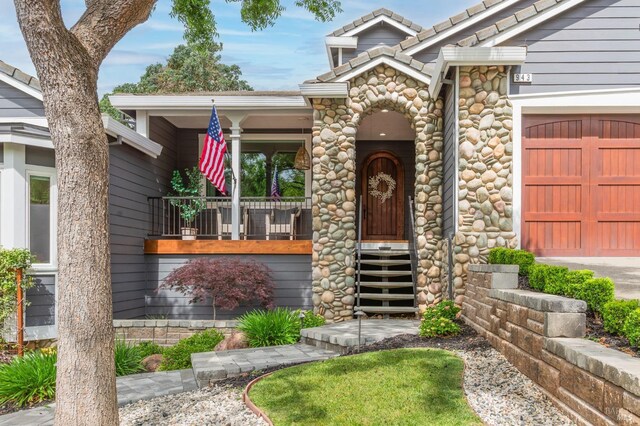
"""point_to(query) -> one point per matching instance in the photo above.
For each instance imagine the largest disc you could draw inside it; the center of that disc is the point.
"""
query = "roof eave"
(131, 137)
(460, 56)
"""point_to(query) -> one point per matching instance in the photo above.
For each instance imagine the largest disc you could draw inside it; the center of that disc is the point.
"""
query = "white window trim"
(609, 101)
(49, 172)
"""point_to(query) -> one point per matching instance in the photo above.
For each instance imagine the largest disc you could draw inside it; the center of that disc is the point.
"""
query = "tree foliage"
(226, 282)
(10, 261)
(190, 68)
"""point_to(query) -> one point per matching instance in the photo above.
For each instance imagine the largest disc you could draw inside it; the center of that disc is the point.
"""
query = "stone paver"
(212, 366)
(345, 334)
(130, 389)
(624, 271)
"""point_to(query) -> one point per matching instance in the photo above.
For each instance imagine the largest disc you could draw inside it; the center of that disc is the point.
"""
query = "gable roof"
(20, 80)
(382, 12)
(455, 23)
(372, 57)
(539, 10)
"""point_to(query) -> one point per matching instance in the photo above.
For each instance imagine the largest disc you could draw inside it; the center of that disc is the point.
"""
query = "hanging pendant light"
(303, 159)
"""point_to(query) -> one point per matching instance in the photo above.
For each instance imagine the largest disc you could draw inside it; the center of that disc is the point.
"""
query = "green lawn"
(398, 387)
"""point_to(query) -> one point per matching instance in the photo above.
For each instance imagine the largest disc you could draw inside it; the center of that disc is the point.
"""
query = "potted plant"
(188, 199)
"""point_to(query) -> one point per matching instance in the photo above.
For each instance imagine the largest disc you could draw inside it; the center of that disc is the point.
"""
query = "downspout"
(449, 238)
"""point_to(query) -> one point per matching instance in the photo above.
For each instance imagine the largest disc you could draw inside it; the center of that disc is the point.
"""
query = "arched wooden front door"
(382, 182)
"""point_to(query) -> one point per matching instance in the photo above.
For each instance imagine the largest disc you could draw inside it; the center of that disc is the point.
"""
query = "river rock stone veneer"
(334, 179)
(485, 178)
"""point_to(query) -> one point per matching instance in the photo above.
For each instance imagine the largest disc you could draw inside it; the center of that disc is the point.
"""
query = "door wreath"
(374, 184)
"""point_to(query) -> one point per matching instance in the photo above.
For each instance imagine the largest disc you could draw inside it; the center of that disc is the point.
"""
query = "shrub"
(10, 260)
(575, 279)
(445, 309)
(548, 278)
(497, 255)
(311, 320)
(596, 292)
(127, 358)
(438, 326)
(148, 348)
(29, 379)
(632, 328)
(178, 356)
(226, 282)
(506, 256)
(270, 328)
(615, 313)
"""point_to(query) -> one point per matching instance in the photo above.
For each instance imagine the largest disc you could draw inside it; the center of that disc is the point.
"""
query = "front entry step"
(386, 279)
(387, 309)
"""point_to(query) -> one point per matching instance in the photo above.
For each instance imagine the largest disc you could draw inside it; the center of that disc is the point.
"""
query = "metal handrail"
(413, 254)
(359, 252)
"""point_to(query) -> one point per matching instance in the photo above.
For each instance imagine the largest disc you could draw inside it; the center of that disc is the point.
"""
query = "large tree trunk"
(67, 63)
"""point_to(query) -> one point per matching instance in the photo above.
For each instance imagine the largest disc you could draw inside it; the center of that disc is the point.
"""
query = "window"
(259, 160)
(40, 218)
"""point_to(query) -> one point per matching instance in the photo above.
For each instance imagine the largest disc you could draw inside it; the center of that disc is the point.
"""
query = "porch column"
(236, 132)
(13, 202)
(485, 179)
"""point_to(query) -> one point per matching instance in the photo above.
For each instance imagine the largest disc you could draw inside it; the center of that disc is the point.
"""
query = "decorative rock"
(152, 362)
(237, 340)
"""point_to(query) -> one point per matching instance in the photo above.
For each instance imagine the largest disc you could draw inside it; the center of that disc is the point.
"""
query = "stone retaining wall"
(541, 335)
(166, 332)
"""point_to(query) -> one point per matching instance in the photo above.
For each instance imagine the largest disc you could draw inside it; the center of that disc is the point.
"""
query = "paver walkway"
(212, 366)
(345, 334)
(130, 389)
(624, 271)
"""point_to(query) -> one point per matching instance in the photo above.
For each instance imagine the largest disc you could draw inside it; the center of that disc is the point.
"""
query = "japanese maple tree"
(226, 282)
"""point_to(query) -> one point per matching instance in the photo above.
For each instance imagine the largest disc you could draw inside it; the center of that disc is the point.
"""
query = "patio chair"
(282, 221)
(223, 221)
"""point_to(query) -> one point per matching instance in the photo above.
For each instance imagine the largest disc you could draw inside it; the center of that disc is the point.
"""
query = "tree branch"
(105, 22)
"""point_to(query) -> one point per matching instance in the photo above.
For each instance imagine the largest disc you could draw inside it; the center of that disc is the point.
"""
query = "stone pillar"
(334, 176)
(485, 179)
(334, 209)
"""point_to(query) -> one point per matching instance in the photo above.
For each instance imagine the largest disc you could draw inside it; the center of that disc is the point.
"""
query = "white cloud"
(128, 57)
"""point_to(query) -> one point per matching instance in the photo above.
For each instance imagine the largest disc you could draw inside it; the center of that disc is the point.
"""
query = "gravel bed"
(501, 395)
(217, 405)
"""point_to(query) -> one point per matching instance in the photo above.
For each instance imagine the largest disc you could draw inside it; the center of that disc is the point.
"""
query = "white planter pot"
(189, 234)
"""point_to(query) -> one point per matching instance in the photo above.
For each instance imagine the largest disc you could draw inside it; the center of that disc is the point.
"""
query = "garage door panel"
(581, 185)
(553, 238)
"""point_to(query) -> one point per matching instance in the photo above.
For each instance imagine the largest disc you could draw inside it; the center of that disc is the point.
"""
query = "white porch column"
(142, 122)
(13, 198)
(236, 132)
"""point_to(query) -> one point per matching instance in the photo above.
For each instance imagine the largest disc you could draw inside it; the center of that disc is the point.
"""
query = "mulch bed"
(595, 328)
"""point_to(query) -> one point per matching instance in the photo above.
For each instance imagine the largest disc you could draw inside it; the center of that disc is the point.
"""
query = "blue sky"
(276, 58)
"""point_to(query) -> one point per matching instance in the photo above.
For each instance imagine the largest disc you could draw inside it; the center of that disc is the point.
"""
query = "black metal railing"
(413, 253)
(288, 218)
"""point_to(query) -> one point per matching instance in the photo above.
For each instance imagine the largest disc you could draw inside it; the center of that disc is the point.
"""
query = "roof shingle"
(19, 75)
(378, 12)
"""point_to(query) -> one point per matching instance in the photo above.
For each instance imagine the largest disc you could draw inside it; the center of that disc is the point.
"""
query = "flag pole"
(228, 159)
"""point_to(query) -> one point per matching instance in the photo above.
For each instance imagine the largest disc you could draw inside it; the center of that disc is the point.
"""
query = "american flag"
(213, 151)
(275, 185)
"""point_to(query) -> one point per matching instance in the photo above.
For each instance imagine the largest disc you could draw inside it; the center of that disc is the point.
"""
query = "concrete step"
(343, 335)
(385, 274)
(387, 309)
(388, 285)
(385, 253)
(385, 262)
(386, 296)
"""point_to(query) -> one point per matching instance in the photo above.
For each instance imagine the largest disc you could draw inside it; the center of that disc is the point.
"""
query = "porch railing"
(288, 218)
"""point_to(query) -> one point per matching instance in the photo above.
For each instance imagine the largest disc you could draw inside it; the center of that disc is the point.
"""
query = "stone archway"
(334, 177)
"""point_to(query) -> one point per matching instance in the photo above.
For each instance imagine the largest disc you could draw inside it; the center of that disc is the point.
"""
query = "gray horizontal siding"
(41, 298)
(40, 156)
(593, 46)
(431, 53)
(291, 275)
(449, 165)
(380, 34)
(16, 103)
(135, 176)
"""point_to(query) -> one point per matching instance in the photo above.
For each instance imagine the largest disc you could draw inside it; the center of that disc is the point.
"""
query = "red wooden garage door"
(581, 185)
